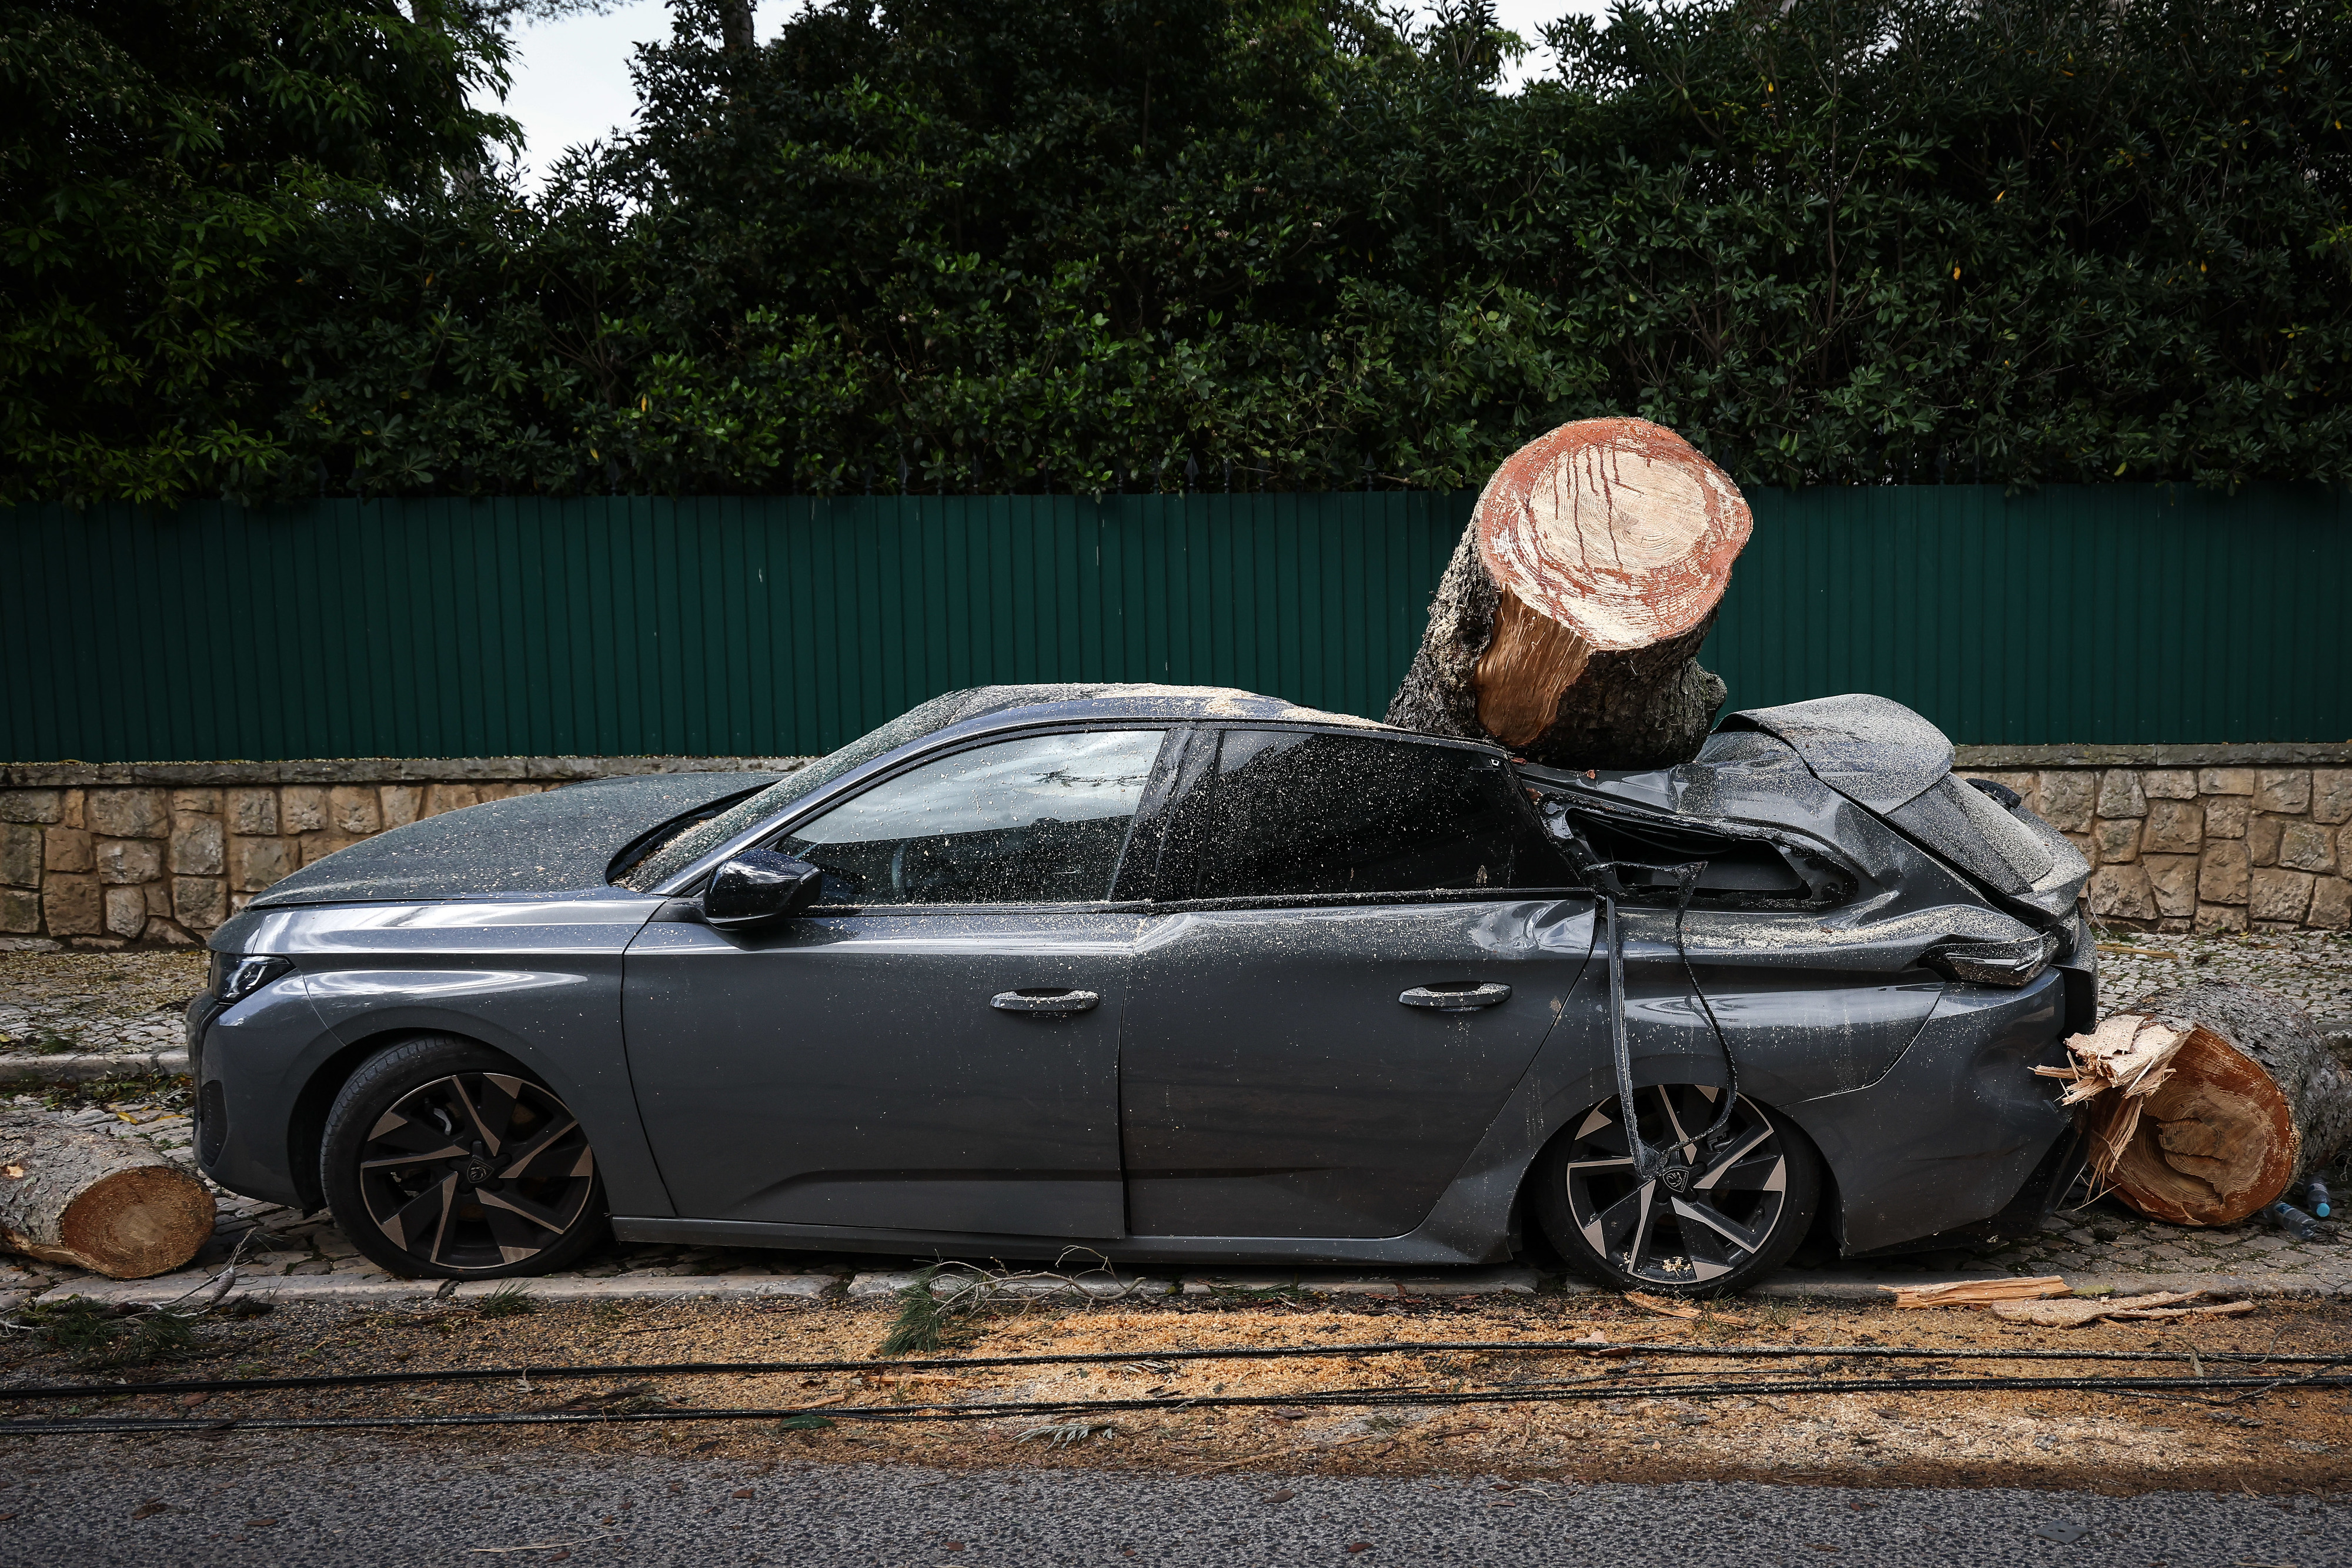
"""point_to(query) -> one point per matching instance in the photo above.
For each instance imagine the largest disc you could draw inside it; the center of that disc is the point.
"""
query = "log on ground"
(2203, 1104)
(1567, 625)
(114, 1205)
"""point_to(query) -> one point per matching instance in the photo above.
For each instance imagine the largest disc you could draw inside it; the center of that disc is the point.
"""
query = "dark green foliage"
(101, 1337)
(2031, 241)
(167, 169)
(511, 1300)
(928, 1321)
(1141, 243)
(806, 1421)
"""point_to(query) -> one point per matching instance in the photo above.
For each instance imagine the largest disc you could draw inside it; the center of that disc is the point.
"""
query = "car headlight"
(236, 976)
(2011, 964)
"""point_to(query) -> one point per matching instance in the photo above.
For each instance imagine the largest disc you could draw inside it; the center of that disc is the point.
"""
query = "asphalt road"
(249, 1499)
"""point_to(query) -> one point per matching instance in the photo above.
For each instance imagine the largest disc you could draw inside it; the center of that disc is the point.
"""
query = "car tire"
(1710, 1224)
(444, 1160)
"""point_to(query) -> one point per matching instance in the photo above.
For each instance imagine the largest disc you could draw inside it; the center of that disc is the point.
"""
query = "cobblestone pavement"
(114, 1003)
(2311, 968)
(55, 1007)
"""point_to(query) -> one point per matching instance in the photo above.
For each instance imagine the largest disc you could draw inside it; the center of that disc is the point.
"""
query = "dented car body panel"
(1257, 983)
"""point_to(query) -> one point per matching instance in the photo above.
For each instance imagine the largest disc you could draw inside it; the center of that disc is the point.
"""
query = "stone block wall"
(2196, 838)
(2192, 838)
(160, 854)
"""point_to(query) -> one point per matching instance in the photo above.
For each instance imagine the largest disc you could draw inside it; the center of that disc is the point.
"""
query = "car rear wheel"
(441, 1160)
(1710, 1222)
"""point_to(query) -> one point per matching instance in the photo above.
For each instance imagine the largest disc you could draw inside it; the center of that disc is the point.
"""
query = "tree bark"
(735, 33)
(110, 1204)
(1567, 626)
(2203, 1104)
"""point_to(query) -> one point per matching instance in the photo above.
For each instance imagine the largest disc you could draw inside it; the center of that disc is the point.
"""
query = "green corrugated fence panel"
(2089, 614)
(763, 626)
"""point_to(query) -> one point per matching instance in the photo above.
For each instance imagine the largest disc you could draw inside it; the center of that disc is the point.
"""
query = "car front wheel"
(441, 1160)
(1708, 1219)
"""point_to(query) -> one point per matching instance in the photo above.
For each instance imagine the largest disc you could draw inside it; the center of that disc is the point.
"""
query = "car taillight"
(2011, 964)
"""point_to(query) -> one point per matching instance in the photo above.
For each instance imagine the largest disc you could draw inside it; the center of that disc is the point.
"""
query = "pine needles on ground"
(101, 1337)
(927, 1321)
(511, 1300)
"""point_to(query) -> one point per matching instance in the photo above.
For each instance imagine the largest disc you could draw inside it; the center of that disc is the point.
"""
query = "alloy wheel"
(1706, 1212)
(476, 1170)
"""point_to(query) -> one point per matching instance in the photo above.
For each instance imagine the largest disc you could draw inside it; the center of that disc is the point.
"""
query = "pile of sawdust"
(1641, 1428)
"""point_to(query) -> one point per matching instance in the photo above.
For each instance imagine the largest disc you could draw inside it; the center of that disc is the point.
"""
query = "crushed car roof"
(1872, 750)
(1129, 699)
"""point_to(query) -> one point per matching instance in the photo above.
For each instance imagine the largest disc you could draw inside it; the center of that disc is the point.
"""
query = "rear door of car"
(935, 1047)
(1362, 941)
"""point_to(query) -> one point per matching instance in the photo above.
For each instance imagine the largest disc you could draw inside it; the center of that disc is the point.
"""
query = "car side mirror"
(756, 887)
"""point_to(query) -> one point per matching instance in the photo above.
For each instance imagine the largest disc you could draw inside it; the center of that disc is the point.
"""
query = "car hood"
(557, 841)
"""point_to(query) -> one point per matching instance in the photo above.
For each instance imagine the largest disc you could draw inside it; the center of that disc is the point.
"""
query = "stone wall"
(160, 854)
(2196, 838)
(2204, 838)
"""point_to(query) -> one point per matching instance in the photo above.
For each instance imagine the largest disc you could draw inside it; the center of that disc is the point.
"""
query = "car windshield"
(692, 843)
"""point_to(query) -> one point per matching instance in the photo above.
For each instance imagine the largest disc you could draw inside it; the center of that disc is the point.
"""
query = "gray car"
(1182, 976)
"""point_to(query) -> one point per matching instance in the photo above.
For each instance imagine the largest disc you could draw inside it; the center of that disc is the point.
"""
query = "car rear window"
(1296, 814)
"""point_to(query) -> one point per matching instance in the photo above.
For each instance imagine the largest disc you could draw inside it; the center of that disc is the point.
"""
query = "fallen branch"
(1977, 1293)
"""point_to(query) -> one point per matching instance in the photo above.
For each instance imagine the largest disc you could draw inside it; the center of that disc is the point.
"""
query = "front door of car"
(935, 1046)
(1375, 943)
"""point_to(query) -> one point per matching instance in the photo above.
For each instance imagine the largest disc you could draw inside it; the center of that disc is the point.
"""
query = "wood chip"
(1661, 1305)
(2074, 1315)
(1977, 1293)
(2218, 1310)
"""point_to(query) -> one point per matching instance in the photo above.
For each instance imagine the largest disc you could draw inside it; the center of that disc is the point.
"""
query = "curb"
(371, 1286)
(87, 1068)
(871, 1287)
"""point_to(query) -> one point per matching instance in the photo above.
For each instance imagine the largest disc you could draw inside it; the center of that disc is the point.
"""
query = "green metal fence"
(2118, 614)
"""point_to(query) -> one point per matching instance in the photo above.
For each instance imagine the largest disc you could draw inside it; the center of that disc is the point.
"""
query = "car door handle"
(1458, 997)
(1037, 1000)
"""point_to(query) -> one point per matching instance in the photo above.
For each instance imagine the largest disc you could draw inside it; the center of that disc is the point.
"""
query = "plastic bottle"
(2315, 1194)
(2293, 1221)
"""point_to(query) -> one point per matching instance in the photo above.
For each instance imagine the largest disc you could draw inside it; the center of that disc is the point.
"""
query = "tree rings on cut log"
(2214, 1143)
(1568, 624)
(1618, 531)
(2201, 1104)
(110, 1204)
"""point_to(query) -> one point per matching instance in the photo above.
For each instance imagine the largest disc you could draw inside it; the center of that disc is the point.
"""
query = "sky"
(571, 76)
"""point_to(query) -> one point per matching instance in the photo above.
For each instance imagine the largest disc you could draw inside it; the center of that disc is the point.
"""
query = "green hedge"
(1152, 245)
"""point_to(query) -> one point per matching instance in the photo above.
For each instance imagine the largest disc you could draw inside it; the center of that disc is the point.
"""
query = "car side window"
(1036, 820)
(1298, 814)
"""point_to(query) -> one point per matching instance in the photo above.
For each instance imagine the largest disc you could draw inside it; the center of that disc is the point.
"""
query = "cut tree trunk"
(2203, 1104)
(1567, 626)
(70, 1195)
